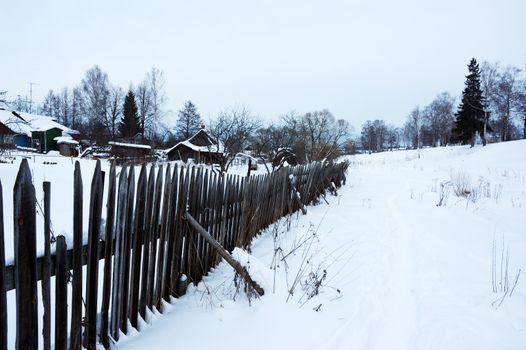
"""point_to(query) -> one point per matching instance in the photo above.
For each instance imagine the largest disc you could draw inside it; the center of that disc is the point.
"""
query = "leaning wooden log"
(241, 270)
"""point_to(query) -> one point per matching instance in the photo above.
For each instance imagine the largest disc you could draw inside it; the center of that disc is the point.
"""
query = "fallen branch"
(241, 270)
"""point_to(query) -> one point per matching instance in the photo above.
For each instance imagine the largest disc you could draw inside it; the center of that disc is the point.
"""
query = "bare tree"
(438, 119)
(374, 135)
(393, 135)
(49, 105)
(156, 84)
(115, 103)
(413, 129)
(95, 90)
(232, 129)
(188, 121)
(507, 98)
(489, 76)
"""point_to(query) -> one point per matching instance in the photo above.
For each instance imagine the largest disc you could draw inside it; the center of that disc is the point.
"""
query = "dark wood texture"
(61, 295)
(46, 273)
(76, 297)
(25, 260)
(3, 292)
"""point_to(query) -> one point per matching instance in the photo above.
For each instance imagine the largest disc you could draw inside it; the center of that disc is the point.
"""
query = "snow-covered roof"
(16, 124)
(25, 123)
(43, 123)
(131, 145)
(213, 147)
(65, 139)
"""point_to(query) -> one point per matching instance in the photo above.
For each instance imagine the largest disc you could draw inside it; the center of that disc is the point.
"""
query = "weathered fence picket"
(3, 292)
(93, 258)
(24, 234)
(46, 273)
(149, 249)
(106, 282)
(61, 295)
(76, 295)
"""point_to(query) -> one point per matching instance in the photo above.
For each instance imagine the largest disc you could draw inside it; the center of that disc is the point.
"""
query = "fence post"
(108, 238)
(46, 266)
(143, 300)
(117, 258)
(137, 246)
(25, 259)
(126, 241)
(61, 295)
(93, 257)
(76, 297)
(164, 227)
(3, 296)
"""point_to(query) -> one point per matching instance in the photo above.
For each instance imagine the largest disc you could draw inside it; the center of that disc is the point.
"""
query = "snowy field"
(407, 256)
(380, 267)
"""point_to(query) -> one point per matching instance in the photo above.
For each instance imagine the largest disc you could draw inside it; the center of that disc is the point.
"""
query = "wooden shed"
(201, 147)
(129, 150)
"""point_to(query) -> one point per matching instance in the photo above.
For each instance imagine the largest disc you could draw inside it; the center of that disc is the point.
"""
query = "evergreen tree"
(129, 125)
(188, 122)
(470, 115)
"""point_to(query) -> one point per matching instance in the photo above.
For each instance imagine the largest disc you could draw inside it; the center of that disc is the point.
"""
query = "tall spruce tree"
(188, 121)
(129, 125)
(469, 118)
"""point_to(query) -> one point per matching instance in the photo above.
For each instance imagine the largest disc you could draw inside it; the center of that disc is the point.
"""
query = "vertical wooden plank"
(76, 297)
(154, 241)
(61, 295)
(147, 242)
(120, 224)
(171, 236)
(186, 230)
(127, 240)
(164, 226)
(93, 257)
(3, 295)
(179, 234)
(106, 282)
(46, 273)
(202, 208)
(137, 246)
(25, 259)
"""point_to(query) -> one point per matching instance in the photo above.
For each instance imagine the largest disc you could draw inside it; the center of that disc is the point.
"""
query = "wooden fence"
(150, 251)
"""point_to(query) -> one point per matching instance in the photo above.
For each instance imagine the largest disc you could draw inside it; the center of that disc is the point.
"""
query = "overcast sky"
(360, 59)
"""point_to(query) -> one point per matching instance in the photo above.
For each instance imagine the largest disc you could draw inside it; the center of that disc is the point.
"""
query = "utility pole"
(31, 95)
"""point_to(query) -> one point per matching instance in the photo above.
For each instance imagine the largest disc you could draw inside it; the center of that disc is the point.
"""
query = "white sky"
(360, 59)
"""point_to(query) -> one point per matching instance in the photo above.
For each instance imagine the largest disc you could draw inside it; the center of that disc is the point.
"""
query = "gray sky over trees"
(360, 59)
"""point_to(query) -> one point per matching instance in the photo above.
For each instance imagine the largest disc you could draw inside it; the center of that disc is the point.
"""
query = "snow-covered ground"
(397, 260)
(397, 271)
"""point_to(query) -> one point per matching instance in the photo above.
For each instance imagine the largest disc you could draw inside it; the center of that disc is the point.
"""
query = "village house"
(201, 148)
(37, 132)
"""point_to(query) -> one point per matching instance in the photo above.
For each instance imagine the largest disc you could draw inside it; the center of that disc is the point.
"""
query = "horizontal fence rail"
(150, 250)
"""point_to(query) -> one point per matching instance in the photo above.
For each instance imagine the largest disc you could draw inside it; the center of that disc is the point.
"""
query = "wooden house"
(201, 147)
(31, 131)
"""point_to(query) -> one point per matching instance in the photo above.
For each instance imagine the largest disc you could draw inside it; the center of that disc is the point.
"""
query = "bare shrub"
(461, 183)
(500, 277)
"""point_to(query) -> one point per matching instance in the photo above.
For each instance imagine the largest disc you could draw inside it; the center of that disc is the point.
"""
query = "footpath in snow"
(401, 259)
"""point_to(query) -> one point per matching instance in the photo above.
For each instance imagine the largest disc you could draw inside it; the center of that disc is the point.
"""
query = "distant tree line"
(95, 107)
(492, 107)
